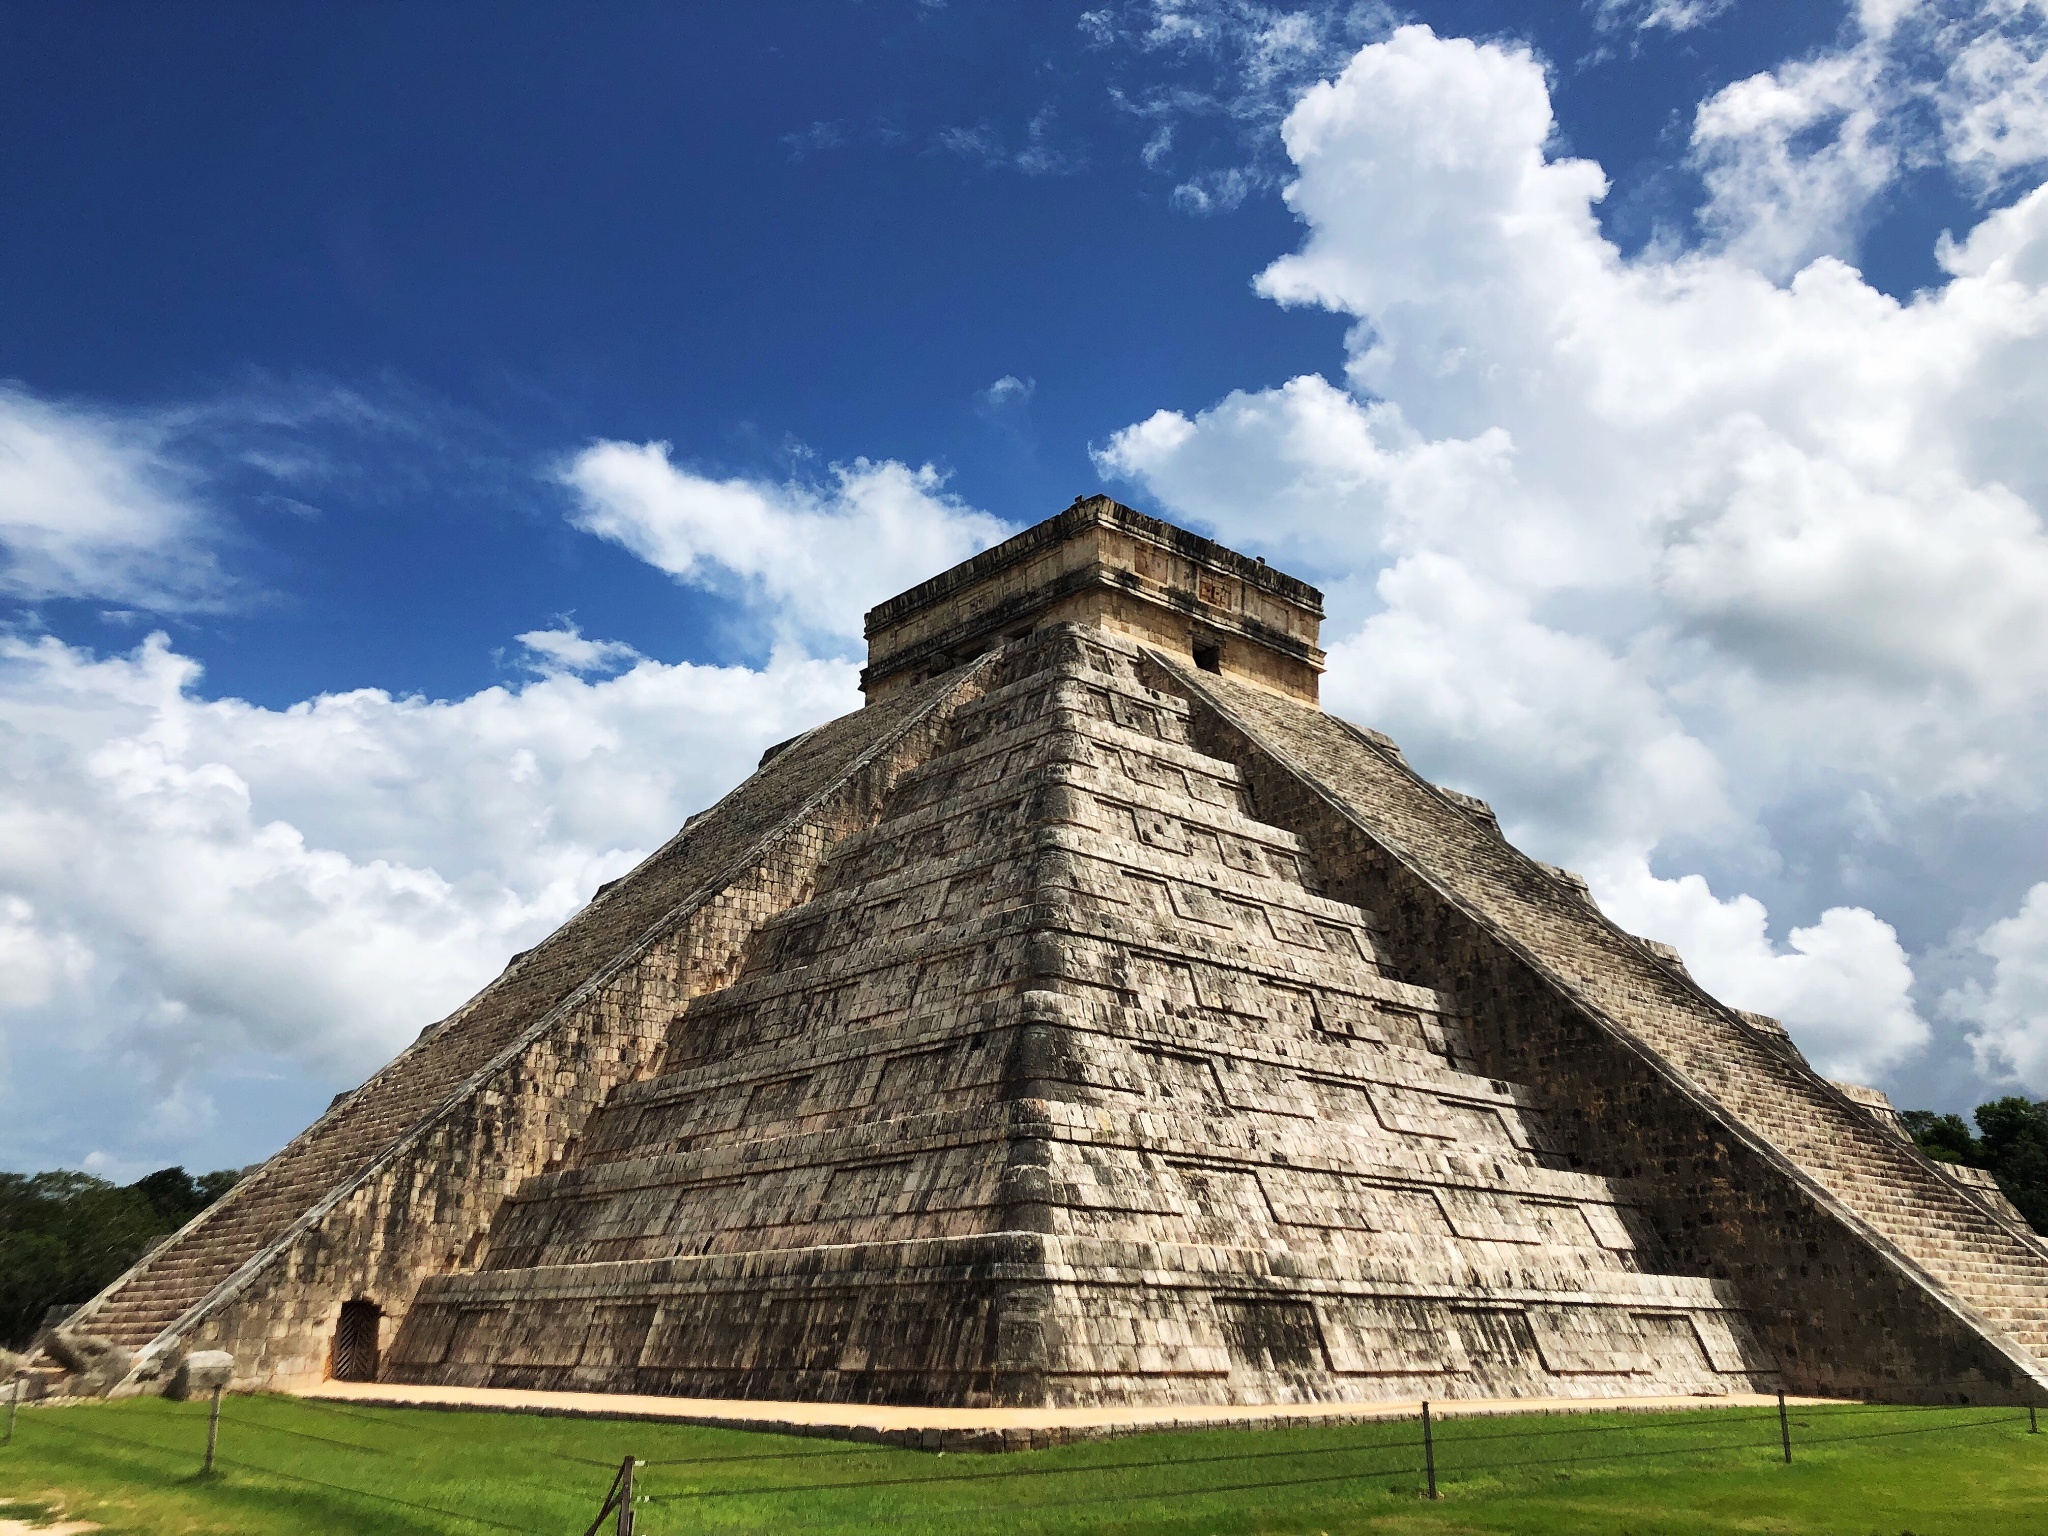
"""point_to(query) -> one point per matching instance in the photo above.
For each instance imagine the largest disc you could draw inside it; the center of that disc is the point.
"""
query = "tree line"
(64, 1236)
(2010, 1143)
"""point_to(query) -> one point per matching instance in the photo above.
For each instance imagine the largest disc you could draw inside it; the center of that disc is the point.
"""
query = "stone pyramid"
(1093, 1019)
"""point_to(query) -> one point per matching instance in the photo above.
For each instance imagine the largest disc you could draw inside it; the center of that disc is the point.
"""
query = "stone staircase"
(338, 1148)
(1069, 1076)
(188, 1268)
(1981, 1261)
(1892, 1188)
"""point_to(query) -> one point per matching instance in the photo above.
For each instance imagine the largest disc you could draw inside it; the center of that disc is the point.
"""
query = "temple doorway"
(355, 1341)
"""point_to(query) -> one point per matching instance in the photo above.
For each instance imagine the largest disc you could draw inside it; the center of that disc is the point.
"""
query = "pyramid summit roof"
(1103, 563)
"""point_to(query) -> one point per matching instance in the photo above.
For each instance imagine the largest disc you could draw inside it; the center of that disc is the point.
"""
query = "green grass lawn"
(289, 1466)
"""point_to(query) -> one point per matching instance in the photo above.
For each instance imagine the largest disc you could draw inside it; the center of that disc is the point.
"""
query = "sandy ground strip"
(937, 1425)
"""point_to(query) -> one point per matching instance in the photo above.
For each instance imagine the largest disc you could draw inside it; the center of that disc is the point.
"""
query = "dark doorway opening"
(1209, 657)
(355, 1341)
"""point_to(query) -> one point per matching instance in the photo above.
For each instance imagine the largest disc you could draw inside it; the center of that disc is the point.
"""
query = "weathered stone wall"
(1752, 1169)
(1072, 1083)
(1102, 564)
(400, 1180)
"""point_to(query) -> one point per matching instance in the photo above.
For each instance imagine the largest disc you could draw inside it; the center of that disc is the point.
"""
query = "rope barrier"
(1678, 1419)
(619, 1497)
(998, 1476)
(1456, 1468)
(278, 1429)
(323, 1406)
(1180, 1493)
(50, 1421)
(1591, 1429)
(1931, 1429)
(1666, 1450)
(1451, 1440)
(1001, 1474)
(381, 1498)
(706, 1461)
(410, 1426)
(1770, 1415)
(1105, 1498)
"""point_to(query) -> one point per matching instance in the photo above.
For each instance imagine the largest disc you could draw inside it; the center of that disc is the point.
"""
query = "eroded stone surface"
(1101, 564)
(400, 1180)
(1863, 1267)
(1070, 1085)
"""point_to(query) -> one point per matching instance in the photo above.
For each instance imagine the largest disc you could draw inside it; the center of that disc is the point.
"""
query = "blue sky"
(1692, 516)
(511, 229)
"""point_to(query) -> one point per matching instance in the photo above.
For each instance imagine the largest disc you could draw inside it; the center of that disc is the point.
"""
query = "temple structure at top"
(1101, 564)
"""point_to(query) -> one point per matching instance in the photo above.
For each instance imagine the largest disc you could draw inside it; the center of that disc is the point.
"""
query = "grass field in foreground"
(292, 1466)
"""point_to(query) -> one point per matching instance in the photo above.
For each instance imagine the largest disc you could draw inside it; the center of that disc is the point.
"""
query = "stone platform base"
(985, 1429)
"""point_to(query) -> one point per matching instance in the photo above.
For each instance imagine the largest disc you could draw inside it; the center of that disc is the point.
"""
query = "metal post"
(14, 1407)
(2033, 1424)
(212, 1431)
(614, 1499)
(1428, 1449)
(1784, 1429)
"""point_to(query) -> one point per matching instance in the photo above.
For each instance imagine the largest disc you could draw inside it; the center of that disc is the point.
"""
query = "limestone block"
(94, 1365)
(199, 1374)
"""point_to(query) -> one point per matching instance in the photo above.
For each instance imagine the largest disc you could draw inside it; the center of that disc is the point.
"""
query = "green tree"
(64, 1235)
(1945, 1138)
(176, 1197)
(2011, 1142)
(2014, 1136)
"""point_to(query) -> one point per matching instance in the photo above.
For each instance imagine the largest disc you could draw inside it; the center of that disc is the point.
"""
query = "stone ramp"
(993, 1429)
(448, 1062)
(1453, 845)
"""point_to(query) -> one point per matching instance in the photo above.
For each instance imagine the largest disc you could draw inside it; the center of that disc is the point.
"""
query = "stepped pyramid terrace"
(1092, 1019)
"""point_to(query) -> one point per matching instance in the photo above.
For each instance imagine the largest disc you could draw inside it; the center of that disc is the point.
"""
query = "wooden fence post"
(1428, 1449)
(618, 1497)
(212, 1431)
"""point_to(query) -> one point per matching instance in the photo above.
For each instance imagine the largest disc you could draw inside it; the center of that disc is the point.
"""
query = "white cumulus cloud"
(1845, 979)
(2008, 1019)
(568, 649)
(91, 507)
(1795, 157)
(1716, 554)
(1650, 15)
(213, 913)
(1009, 393)
(814, 557)
(196, 891)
